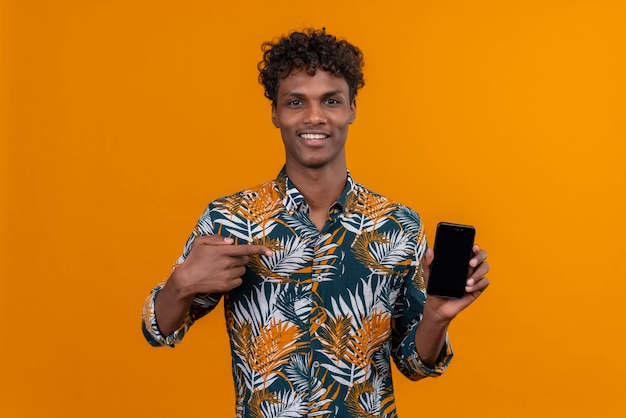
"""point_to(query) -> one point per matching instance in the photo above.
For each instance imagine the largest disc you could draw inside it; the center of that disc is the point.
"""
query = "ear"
(352, 111)
(274, 116)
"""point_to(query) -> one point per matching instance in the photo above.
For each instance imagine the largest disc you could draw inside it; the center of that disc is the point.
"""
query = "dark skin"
(313, 113)
(214, 265)
(439, 312)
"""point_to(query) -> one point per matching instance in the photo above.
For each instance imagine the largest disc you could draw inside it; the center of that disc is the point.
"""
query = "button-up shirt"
(314, 326)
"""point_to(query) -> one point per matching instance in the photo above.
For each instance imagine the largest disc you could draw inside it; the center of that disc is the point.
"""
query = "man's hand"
(438, 312)
(214, 265)
(446, 309)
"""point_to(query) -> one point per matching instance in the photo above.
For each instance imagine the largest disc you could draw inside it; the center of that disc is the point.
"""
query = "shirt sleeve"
(202, 304)
(409, 362)
(409, 311)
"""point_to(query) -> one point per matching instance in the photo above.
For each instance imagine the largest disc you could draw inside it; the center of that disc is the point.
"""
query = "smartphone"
(453, 251)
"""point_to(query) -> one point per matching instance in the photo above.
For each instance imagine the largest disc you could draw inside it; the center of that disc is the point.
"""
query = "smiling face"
(313, 113)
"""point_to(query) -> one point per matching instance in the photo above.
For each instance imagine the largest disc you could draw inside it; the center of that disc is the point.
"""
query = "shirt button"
(318, 321)
(316, 364)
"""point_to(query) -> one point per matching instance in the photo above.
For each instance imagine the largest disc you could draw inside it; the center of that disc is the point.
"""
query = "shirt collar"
(294, 201)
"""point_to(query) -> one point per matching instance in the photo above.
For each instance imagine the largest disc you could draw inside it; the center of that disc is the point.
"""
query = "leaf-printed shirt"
(313, 328)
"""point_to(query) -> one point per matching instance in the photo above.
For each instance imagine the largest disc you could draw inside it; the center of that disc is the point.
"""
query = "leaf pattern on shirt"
(249, 215)
(314, 326)
(363, 400)
(374, 206)
(270, 350)
(291, 256)
(335, 337)
(368, 339)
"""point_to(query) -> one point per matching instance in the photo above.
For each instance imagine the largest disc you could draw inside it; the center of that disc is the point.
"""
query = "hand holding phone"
(450, 267)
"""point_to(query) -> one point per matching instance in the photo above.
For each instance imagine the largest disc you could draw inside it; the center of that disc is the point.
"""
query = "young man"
(322, 279)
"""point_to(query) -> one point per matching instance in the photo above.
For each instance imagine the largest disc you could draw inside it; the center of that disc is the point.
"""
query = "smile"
(313, 136)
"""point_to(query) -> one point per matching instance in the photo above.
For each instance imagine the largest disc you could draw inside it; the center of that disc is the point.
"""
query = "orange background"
(122, 119)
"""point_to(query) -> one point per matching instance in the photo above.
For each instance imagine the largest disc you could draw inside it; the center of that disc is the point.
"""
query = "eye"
(332, 101)
(294, 102)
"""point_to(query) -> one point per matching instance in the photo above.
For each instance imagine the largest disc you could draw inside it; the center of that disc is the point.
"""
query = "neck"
(320, 187)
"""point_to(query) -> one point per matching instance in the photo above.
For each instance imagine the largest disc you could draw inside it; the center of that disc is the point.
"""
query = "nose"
(315, 114)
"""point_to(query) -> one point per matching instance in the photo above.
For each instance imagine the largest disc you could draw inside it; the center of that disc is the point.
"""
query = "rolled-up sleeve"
(201, 305)
(409, 362)
(409, 313)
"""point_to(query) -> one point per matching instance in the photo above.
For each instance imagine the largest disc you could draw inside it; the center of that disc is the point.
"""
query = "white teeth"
(313, 136)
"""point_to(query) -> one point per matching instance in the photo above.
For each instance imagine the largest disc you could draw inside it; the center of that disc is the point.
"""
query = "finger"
(237, 249)
(230, 278)
(238, 261)
(237, 281)
(241, 250)
(238, 272)
(479, 286)
(427, 260)
(479, 256)
(478, 275)
(479, 272)
(213, 240)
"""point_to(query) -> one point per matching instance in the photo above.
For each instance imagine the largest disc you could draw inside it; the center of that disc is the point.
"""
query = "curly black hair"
(310, 49)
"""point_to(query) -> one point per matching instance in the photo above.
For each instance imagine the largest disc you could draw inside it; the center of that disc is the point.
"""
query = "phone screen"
(453, 250)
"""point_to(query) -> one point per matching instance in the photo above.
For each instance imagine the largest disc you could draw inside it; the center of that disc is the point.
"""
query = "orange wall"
(122, 119)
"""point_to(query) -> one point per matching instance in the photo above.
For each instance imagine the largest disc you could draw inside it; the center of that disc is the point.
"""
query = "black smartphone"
(453, 251)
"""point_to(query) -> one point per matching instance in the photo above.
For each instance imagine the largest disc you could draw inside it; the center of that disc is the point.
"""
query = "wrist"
(434, 315)
(178, 286)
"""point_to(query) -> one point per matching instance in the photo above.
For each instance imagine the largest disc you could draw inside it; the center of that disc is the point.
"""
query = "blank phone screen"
(453, 250)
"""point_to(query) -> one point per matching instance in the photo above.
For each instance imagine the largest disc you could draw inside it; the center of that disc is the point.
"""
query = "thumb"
(427, 260)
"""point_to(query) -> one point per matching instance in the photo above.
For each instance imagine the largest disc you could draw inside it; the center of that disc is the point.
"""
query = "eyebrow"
(297, 95)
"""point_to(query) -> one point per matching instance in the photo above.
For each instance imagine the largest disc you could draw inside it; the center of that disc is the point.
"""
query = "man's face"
(313, 113)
